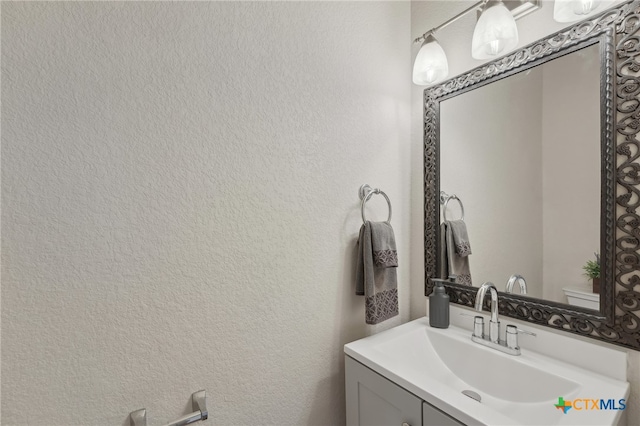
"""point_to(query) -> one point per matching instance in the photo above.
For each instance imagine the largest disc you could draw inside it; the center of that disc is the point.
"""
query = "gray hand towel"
(383, 242)
(450, 262)
(379, 285)
(460, 237)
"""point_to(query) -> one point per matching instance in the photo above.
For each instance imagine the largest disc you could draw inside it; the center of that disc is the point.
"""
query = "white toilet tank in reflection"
(583, 297)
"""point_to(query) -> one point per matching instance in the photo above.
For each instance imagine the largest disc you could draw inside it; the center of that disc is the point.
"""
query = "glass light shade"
(431, 64)
(495, 33)
(573, 10)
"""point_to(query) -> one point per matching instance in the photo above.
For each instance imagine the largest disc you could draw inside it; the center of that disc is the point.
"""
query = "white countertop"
(406, 356)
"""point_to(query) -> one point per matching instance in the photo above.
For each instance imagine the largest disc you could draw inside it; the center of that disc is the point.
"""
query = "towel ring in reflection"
(444, 199)
(365, 193)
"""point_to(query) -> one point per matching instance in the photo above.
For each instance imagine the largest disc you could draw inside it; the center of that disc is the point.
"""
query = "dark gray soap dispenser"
(439, 307)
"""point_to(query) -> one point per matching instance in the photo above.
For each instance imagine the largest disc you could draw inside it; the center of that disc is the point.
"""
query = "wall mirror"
(541, 149)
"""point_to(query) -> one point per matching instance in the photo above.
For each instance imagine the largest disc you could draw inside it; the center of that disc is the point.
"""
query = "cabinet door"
(373, 400)
(431, 416)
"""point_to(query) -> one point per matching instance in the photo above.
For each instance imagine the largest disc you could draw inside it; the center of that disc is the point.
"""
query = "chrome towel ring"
(444, 200)
(365, 193)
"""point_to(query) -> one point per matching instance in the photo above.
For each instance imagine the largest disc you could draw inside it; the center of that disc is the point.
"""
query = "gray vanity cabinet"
(431, 416)
(373, 400)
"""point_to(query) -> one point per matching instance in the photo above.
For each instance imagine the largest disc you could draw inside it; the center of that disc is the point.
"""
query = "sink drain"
(473, 395)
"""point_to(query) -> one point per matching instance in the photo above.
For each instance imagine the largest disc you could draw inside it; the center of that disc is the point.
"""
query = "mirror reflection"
(522, 155)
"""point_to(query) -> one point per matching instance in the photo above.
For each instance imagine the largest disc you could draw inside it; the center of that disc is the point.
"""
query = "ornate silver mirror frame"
(618, 33)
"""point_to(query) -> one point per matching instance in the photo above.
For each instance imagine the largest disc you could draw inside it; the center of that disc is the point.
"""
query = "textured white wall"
(179, 189)
(456, 40)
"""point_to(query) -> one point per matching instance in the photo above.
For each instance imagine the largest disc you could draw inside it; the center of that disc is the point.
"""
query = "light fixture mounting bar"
(475, 6)
(518, 8)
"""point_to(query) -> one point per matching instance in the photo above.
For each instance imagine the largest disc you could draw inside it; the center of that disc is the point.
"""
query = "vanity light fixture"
(431, 64)
(495, 33)
(574, 10)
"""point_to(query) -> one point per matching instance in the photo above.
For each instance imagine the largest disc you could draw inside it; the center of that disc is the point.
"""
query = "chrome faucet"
(515, 278)
(494, 323)
(510, 344)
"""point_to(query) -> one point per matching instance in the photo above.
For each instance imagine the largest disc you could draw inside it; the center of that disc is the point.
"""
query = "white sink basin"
(481, 373)
(437, 365)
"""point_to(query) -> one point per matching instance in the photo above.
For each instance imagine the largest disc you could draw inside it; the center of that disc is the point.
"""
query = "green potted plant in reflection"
(592, 271)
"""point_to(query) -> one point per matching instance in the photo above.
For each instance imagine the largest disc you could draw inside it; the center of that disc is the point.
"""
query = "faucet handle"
(478, 324)
(530, 333)
(512, 336)
(513, 329)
